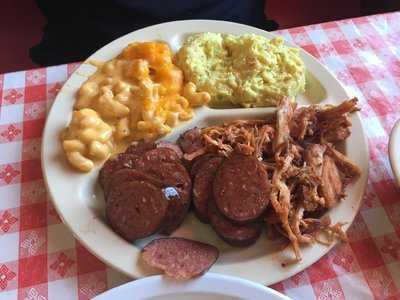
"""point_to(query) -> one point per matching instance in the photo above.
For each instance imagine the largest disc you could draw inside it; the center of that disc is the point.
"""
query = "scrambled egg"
(247, 70)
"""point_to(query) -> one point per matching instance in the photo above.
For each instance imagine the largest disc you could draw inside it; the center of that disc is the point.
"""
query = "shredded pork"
(297, 148)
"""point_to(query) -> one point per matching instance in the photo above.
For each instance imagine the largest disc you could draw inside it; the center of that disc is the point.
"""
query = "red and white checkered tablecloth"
(39, 258)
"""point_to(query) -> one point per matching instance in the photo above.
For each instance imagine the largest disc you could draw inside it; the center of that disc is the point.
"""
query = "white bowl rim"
(159, 285)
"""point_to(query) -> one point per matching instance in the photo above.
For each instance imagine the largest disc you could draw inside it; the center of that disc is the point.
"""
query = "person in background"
(75, 29)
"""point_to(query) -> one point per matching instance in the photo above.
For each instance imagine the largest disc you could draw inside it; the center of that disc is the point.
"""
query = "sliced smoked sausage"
(198, 161)
(139, 148)
(161, 154)
(136, 209)
(241, 188)
(172, 146)
(113, 164)
(202, 186)
(180, 258)
(126, 175)
(239, 235)
(177, 183)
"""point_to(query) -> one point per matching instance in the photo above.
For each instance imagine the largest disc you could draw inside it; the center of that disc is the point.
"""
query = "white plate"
(211, 286)
(79, 200)
(394, 151)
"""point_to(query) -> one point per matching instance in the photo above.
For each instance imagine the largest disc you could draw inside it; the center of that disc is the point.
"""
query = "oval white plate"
(394, 151)
(79, 200)
(211, 286)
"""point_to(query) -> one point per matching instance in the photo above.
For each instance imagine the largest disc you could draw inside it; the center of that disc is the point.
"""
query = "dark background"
(21, 22)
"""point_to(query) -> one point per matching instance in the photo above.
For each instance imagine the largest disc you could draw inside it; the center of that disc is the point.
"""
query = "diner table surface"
(40, 259)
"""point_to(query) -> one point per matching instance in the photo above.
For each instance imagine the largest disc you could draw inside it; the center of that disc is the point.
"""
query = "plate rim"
(137, 274)
(394, 151)
(158, 285)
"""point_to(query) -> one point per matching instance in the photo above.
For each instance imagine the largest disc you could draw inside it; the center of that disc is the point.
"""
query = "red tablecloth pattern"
(40, 259)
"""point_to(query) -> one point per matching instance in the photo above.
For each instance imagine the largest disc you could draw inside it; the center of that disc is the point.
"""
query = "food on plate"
(282, 173)
(241, 198)
(128, 174)
(180, 258)
(191, 143)
(146, 189)
(202, 185)
(172, 146)
(304, 174)
(177, 186)
(247, 70)
(139, 148)
(115, 163)
(87, 138)
(239, 235)
(143, 93)
(136, 208)
(138, 95)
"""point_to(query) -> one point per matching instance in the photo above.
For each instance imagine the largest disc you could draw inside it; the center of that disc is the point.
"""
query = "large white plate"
(211, 286)
(394, 151)
(79, 201)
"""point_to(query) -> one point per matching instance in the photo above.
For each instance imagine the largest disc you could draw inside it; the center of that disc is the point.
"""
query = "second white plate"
(208, 287)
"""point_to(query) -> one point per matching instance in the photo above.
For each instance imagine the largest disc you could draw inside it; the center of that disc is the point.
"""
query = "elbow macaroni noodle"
(138, 95)
(87, 138)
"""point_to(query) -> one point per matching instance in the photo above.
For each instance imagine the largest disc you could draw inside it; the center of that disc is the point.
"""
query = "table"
(40, 259)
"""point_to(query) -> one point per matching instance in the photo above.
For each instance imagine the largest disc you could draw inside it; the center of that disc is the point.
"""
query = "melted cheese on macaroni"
(138, 95)
(86, 138)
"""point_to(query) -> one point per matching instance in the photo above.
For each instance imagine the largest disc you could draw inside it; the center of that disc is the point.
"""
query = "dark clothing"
(75, 29)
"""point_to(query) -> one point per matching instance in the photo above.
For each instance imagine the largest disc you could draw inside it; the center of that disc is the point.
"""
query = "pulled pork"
(308, 174)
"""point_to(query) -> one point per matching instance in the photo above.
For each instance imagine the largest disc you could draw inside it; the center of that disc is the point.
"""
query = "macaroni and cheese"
(87, 138)
(138, 95)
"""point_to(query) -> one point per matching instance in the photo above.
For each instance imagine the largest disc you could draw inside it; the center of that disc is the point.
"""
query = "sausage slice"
(139, 148)
(127, 175)
(202, 186)
(115, 163)
(241, 188)
(136, 209)
(161, 154)
(172, 146)
(177, 184)
(180, 258)
(198, 161)
(239, 235)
